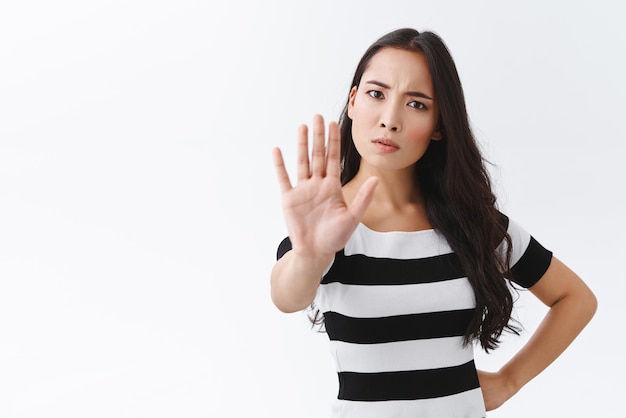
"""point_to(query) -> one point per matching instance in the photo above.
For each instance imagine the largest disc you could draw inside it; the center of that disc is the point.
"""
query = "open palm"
(318, 219)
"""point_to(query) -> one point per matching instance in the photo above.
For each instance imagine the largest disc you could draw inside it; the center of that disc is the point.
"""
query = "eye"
(375, 94)
(417, 105)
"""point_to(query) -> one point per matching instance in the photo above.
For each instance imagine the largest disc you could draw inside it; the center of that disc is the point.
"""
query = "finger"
(363, 198)
(281, 171)
(304, 171)
(318, 154)
(333, 162)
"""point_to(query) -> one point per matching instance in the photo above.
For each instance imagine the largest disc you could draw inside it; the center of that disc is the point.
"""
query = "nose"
(390, 119)
(390, 126)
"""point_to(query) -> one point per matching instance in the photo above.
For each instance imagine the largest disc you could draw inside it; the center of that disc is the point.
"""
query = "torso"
(396, 305)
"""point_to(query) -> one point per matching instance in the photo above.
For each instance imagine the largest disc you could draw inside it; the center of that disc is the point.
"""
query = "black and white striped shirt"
(396, 306)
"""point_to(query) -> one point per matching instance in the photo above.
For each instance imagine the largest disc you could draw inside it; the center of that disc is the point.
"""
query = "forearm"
(295, 279)
(563, 322)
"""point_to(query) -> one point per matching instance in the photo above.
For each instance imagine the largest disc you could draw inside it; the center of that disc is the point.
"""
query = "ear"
(351, 101)
(438, 134)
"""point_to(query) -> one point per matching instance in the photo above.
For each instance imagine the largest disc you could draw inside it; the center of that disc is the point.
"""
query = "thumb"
(363, 198)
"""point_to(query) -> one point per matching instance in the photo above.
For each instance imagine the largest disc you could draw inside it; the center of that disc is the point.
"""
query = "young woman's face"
(393, 110)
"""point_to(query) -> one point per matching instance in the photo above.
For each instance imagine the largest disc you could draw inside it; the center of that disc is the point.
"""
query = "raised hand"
(318, 219)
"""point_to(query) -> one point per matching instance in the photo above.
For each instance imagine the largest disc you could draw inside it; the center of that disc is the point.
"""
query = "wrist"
(295, 279)
(312, 263)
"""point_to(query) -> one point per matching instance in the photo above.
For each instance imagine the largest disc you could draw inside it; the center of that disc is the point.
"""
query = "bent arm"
(572, 305)
(294, 280)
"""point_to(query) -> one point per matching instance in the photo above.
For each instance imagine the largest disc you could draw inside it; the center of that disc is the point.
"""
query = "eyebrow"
(408, 93)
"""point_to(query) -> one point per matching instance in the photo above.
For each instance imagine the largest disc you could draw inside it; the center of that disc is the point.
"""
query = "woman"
(395, 237)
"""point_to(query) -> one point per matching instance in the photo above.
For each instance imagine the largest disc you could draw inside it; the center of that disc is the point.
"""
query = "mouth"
(385, 144)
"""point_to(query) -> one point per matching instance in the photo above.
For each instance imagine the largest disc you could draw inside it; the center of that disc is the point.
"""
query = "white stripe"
(396, 244)
(389, 300)
(467, 404)
(321, 298)
(520, 239)
(402, 355)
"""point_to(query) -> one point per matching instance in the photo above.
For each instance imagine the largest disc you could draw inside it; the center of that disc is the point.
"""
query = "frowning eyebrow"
(408, 93)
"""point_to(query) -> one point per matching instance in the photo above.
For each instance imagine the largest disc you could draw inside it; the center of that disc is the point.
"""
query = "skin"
(321, 215)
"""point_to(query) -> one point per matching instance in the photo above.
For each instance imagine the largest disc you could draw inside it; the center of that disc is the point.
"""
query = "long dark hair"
(456, 187)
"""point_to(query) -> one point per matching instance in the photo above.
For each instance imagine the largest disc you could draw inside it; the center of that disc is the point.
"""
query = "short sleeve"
(529, 259)
(283, 247)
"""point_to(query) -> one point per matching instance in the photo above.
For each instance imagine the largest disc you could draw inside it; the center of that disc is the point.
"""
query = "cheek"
(422, 126)
(362, 113)
(420, 134)
(360, 122)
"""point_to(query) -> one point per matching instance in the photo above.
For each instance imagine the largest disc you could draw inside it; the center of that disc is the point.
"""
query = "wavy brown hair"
(456, 187)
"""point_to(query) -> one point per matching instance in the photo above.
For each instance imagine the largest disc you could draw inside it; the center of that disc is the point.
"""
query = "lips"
(385, 145)
(386, 141)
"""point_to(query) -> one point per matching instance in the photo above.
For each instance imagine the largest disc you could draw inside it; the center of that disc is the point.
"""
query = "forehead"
(399, 68)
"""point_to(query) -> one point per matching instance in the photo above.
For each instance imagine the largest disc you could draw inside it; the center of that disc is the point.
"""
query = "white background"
(139, 213)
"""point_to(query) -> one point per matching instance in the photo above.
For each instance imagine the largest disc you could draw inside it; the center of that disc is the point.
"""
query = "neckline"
(373, 231)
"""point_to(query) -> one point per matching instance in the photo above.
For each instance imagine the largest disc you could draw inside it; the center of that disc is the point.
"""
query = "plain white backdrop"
(139, 213)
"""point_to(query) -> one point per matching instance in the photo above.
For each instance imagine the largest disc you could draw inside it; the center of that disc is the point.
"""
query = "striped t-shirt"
(396, 306)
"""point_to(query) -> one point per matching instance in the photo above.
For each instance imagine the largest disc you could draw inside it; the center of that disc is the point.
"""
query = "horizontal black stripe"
(397, 328)
(532, 265)
(363, 270)
(408, 385)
